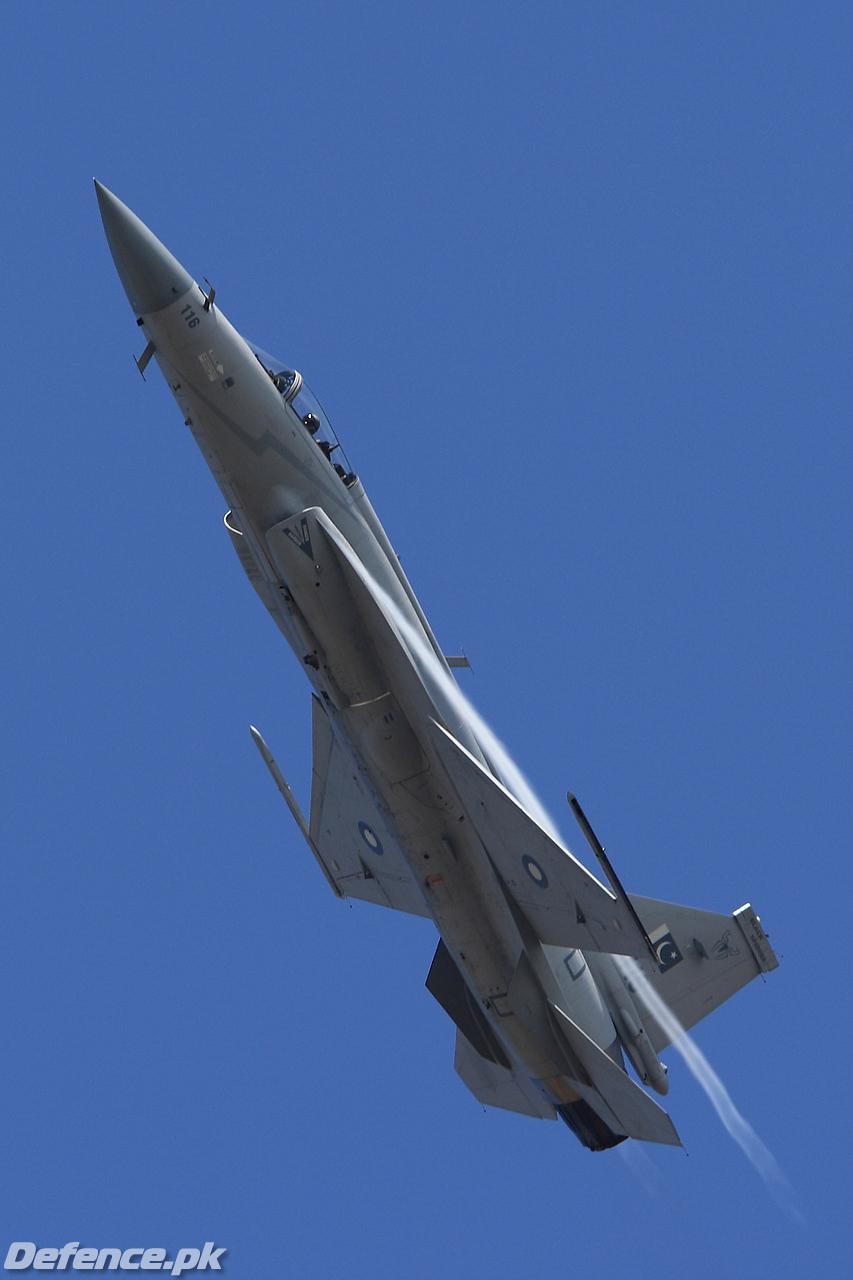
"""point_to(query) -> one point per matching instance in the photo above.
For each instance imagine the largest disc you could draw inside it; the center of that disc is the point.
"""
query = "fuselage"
(273, 460)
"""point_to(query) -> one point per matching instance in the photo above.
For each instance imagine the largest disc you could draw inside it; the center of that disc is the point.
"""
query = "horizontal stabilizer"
(612, 1094)
(497, 1086)
(565, 905)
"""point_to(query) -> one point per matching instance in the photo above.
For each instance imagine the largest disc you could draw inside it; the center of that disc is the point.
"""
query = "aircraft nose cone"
(151, 276)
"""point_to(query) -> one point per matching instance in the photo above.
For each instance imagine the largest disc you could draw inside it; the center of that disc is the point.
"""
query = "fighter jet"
(552, 976)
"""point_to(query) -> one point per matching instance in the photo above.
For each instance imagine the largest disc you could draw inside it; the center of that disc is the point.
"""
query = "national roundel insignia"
(370, 838)
(533, 869)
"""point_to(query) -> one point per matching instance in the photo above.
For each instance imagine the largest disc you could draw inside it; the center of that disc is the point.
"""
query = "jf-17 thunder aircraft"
(552, 977)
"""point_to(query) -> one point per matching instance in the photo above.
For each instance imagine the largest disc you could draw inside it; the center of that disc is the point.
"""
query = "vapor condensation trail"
(738, 1128)
(510, 774)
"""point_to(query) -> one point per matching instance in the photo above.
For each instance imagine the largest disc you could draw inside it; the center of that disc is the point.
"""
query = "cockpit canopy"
(296, 392)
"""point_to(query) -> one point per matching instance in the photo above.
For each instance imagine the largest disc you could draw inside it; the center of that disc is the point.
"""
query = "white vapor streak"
(498, 754)
(737, 1127)
(638, 1161)
(735, 1124)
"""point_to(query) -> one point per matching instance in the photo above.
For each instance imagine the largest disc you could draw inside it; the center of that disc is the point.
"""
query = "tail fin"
(703, 958)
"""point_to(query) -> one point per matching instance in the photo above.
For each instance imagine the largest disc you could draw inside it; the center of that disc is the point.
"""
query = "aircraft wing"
(347, 830)
(564, 903)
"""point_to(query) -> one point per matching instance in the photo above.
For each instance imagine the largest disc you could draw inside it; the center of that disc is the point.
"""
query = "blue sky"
(573, 282)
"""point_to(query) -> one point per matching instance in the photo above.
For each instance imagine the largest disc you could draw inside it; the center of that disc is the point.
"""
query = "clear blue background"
(574, 283)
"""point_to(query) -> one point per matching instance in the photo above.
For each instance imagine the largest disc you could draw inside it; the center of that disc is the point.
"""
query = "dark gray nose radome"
(151, 276)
